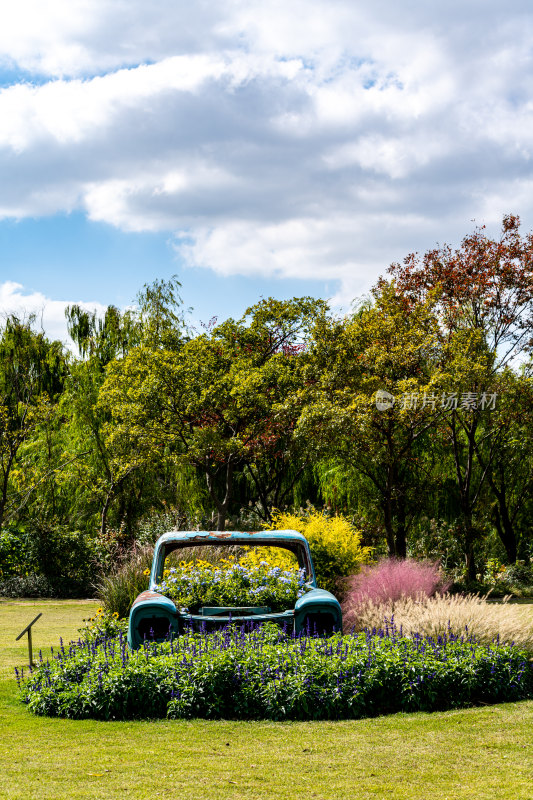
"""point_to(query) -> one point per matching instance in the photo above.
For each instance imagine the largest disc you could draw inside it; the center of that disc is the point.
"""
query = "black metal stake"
(27, 630)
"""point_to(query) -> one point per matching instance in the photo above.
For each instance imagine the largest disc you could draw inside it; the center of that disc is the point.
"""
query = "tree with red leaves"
(485, 309)
(485, 284)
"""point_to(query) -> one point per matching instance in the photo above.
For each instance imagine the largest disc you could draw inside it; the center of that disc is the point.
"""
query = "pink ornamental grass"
(388, 581)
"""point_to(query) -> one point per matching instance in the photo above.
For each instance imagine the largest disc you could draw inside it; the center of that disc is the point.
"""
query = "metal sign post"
(27, 630)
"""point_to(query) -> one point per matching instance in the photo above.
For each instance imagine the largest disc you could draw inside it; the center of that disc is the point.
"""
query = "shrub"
(515, 579)
(118, 590)
(11, 561)
(335, 545)
(263, 674)
(519, 574)
(444, 614)
(51, 556)
(104, 625)
(232, 583)
(274, 556)
(388, 581)
(30, 585)
(150, 528)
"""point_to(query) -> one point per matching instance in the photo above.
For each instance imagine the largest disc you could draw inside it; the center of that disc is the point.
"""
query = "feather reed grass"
(461, 615)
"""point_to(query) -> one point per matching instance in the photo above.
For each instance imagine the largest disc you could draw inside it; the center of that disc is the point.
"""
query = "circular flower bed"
(264, 674)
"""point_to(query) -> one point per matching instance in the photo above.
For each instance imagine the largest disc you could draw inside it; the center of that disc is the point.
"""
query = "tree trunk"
(5, 487)
(221, 520)
(505, 529)
(222, 507)
(401, 540)
(400, 533)
(464, 467)
(105, 509)
(389, 528)
(470, 561)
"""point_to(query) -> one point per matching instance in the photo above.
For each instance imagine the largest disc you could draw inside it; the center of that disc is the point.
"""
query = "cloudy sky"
(253, 147)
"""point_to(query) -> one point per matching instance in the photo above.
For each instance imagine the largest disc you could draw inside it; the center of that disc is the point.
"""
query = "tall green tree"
(226, 401)
(387, 346)
(32, 373)
(508, 461)
(109, 478)
(467, 384)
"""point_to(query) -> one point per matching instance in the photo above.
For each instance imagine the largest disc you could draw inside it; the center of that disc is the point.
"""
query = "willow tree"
(32, 373)
(102, 476)
(227, 400)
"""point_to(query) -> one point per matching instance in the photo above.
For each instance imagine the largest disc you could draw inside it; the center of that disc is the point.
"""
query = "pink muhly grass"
(388, 581)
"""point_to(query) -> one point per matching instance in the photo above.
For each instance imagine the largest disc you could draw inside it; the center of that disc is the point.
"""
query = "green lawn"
(483, 754)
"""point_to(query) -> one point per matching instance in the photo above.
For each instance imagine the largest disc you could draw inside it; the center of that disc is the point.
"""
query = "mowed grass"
(483, 753)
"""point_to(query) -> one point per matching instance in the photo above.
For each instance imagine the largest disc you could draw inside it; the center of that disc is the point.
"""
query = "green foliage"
(11, 558)
(388, 345)
(103, 625)
(151, 527)
(484, 290)
(335, 545)
(233, 583)
(32, 373)
(96, 479)
(227, 400)
(28, 585)
(265, 675)
(437, 539)
(514, 579)
(519, 574)
(154, 422)
(59, 560)
(102, 339)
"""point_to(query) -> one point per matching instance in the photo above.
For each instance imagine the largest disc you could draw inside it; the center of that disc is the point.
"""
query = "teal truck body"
(154, 616)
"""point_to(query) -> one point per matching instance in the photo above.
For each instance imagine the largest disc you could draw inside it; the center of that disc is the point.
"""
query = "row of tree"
(414, 413)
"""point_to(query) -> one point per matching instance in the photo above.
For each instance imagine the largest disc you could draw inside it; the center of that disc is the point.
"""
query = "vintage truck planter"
(154, 616)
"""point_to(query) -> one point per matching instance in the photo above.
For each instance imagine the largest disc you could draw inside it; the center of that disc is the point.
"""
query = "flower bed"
(263, 674)
(231, 583)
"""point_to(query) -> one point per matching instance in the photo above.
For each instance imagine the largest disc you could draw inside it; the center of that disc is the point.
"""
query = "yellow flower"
(146, 572)
(274, 556)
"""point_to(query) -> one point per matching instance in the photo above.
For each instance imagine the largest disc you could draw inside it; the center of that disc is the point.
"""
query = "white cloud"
(62, 38)
(50, 314)
(327, 249)
(73, 111)
(318, 139)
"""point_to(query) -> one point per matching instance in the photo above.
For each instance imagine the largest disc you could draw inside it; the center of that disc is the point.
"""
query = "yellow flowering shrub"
(335, 544)
(274, 556)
